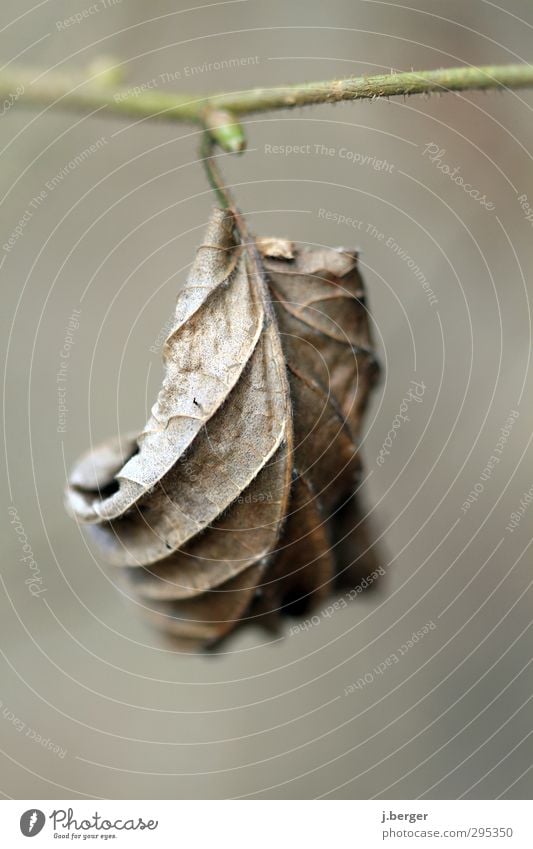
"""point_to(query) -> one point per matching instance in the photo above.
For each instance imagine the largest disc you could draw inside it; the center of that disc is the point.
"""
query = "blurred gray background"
(93, 702)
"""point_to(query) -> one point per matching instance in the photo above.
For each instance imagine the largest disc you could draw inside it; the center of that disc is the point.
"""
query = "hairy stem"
(83, 94)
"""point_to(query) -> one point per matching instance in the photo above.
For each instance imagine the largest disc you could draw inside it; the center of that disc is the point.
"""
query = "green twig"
(82, 94)
(214, 176)
(100, 88)
(225, 130)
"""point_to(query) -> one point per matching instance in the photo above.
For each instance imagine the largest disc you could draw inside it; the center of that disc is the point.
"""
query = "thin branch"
(226, 201)
(382, 85)
(214, 175)
(83, 94)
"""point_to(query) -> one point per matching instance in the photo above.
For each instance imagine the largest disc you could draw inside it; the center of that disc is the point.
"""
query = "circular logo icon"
(32, 822)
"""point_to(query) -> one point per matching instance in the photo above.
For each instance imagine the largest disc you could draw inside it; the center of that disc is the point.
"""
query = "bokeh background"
(93, 702)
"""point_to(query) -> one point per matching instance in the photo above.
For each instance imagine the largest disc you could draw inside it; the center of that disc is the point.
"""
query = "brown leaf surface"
(210, 616)
(302, 575)
(223, 510)
(324, 323)
(246, 534)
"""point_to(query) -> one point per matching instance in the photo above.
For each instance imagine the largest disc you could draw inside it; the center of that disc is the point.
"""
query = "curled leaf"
(222, 510)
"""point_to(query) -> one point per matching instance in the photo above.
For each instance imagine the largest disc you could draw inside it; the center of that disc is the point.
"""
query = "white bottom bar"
(280, 824)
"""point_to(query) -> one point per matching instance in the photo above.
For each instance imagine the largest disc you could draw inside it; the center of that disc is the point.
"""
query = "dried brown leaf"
(217, 516)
